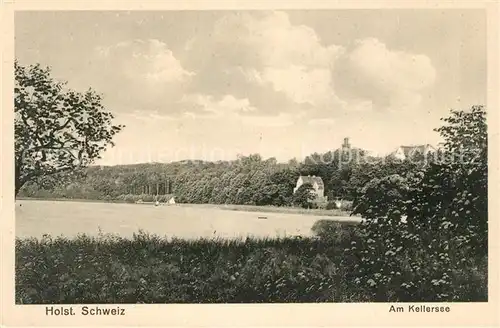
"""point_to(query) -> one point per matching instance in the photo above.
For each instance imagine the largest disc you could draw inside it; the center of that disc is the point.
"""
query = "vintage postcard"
(215, 163)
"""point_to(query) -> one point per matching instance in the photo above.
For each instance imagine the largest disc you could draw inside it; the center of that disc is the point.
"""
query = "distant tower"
(346, 145)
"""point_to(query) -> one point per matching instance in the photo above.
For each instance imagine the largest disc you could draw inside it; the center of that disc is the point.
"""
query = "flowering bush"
(422, 229)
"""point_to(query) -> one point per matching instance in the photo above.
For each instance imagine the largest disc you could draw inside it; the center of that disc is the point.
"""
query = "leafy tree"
(465, 170)
(284, 180)
(56, 129)
(304, 196)
(424, 229)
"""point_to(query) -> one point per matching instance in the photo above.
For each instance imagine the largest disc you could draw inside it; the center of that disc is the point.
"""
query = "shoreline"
(226, 207)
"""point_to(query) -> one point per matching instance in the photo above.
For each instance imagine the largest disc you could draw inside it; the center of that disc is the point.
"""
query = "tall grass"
(151, 269)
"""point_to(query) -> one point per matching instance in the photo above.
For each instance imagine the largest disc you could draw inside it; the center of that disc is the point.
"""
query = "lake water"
(36, 218)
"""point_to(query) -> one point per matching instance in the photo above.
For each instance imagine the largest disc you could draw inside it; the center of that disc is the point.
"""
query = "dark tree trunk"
(18, 183)
(17, 188)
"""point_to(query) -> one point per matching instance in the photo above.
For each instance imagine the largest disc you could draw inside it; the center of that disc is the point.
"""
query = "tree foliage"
(56, 129)
(304, 196)
(434, 215)
(248, 180)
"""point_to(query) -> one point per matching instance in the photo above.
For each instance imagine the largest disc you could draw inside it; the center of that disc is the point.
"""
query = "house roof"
(312, 179)
(409, 150)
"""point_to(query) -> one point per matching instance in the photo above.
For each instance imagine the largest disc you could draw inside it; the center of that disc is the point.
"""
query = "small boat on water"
(262, 217)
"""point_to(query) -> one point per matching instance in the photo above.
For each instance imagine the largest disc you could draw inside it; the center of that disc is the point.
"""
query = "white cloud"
(140, 74)
(227, 105)
(300, 83)
(282, 44)
(391, 68)
(290, 58)
(150, 59)
(401, 75)
(261, 66)
(231, 109)
(276, 121)
(149, 116)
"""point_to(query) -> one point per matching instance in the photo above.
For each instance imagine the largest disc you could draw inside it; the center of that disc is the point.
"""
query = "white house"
(316, 182)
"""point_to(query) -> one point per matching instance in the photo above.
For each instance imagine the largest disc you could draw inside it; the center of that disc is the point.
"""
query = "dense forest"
(249, 180)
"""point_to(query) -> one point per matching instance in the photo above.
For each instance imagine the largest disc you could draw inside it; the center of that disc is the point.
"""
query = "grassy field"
(36, 218)
(149, 269)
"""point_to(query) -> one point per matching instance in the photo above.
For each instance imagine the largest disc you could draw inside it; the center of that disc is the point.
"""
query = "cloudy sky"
(214, 84)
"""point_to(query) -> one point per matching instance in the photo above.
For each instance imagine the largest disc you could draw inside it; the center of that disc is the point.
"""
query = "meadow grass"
(151, 269)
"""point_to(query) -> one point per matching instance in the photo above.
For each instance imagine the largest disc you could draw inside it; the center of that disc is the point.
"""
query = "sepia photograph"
(250, 156)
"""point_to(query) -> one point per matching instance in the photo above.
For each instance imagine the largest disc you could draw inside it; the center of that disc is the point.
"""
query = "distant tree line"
(249, 180)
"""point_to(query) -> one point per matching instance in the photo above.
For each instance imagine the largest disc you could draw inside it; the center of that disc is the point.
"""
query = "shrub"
(445, 230)
(129, 198)
(347, 205)
(335, 232)
(331, 205)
